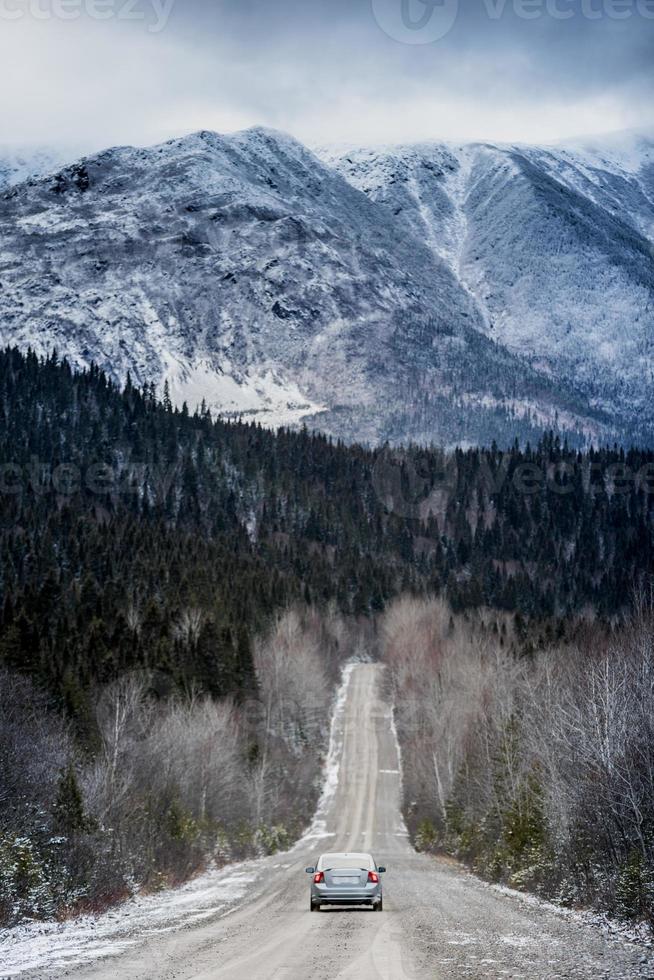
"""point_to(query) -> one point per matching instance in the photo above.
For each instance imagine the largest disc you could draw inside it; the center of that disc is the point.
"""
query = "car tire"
(379, 907)
(313, 907)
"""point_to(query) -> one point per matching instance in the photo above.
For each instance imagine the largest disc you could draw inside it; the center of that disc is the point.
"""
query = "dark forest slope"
(119, 515)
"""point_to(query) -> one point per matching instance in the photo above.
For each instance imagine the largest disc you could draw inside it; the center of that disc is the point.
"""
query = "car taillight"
(373, 877)
(318, 878)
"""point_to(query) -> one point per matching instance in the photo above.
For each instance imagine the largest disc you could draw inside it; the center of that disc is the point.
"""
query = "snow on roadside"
(632, 932)
(402, 830)
(41, 945)
(318, 828)
(37, 946)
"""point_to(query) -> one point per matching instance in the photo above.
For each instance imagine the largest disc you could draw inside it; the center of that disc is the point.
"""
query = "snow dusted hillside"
(554, 246)
(247, 273)
(19, 165)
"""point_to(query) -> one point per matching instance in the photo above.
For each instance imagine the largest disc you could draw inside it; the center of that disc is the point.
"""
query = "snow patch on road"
(518, 942)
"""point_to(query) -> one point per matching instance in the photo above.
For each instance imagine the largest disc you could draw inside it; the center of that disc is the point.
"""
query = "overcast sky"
(358, 71)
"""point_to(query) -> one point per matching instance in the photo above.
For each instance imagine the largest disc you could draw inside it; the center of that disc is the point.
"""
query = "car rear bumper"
(332, 896)
(347, 901)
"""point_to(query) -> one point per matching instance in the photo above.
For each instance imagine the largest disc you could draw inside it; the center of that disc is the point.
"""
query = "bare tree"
(189, 626)
(540, 770)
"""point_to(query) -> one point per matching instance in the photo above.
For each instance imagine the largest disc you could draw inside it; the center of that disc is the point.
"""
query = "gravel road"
(438, 922)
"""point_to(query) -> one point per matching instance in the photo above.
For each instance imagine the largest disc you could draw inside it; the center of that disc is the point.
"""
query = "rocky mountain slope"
(430, 293)
(18, 165)
(554, 246)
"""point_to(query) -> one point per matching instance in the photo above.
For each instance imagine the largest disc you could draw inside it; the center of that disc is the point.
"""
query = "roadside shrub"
(25, 885)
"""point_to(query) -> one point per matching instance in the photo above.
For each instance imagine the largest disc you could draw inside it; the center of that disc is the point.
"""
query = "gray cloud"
(326, 70)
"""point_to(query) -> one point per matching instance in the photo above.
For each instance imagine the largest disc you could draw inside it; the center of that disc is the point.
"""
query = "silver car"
(346, 879)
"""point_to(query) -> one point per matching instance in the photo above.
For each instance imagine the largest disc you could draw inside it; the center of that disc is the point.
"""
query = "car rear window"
(345, 861)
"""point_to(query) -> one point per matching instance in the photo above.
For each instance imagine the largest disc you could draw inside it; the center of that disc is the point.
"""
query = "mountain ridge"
(251, 274)
(584, 241)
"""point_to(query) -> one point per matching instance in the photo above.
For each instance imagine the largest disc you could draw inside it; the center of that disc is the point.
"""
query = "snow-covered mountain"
(554, 246)
(430, 292)
(17, 165)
